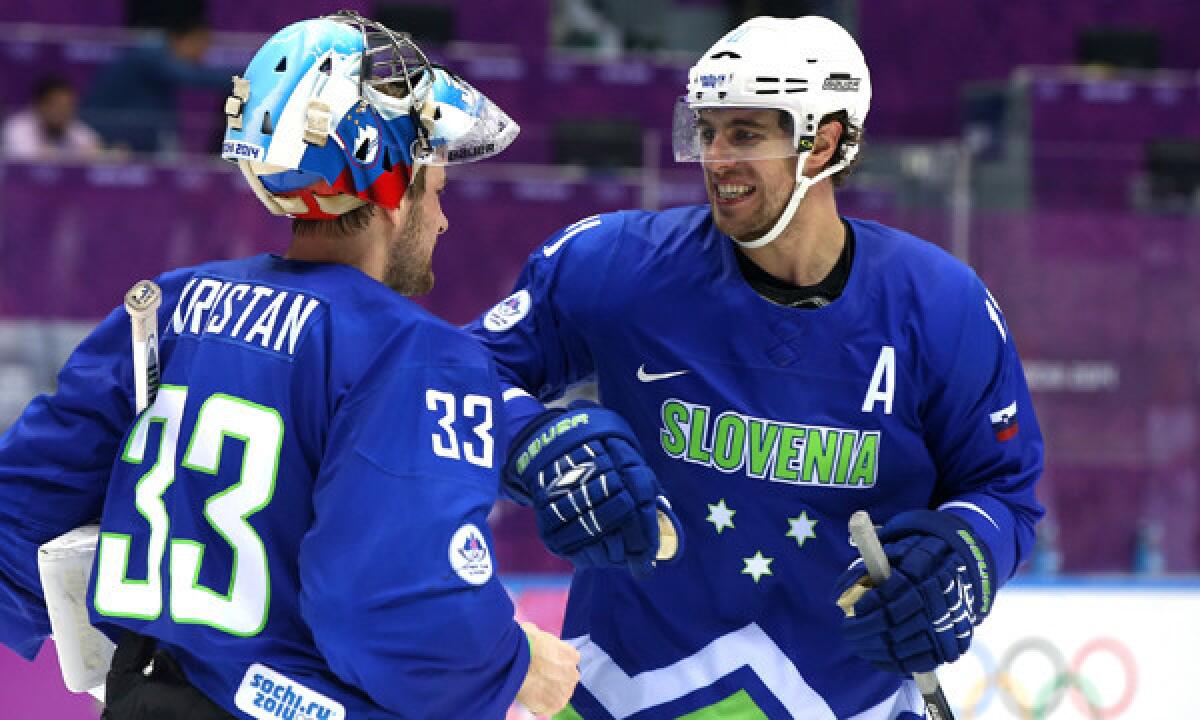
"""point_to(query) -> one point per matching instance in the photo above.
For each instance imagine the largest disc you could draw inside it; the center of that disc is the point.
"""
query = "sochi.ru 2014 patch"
(268, 695)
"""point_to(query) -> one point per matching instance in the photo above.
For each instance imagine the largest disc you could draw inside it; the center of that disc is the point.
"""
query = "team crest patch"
(508, 312)
(267, 695)
(469, 555)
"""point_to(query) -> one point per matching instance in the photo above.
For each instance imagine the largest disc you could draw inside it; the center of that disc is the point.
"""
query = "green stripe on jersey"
(737, 706)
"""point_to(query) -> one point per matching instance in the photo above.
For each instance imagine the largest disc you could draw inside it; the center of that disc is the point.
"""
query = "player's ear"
(826, 141)
(396, 215)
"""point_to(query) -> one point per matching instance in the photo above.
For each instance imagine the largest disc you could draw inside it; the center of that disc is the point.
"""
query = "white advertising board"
(1081, 651)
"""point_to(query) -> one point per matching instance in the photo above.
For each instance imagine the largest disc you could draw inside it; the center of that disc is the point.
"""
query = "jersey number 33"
(241, 607)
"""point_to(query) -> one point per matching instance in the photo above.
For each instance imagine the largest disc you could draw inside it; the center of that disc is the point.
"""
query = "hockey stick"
(65, 563)
(141, 302)
(862, 530)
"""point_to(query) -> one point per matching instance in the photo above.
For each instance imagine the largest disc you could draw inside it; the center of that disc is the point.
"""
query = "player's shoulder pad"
(181, 275)
(964, 326)
(582, 237)
(903, 252)
(947, 300)
(175, 284)
(914, 269)
(625, 232)
(426, 340)
(676, 229)
(172, 282)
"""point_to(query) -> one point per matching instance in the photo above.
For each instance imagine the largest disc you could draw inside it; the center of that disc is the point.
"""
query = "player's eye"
(707, 134)
(742, 136)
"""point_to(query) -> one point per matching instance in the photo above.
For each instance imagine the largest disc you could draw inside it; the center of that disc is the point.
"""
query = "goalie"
(296, 525)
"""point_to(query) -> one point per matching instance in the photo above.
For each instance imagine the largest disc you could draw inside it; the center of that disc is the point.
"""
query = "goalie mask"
(806, 67)
(339, 111)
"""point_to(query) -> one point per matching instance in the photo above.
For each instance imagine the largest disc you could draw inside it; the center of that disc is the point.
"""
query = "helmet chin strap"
(803, 183)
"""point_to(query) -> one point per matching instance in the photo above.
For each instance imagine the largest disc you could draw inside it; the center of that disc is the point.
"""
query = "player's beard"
(745, 229)
(773, 196)
(409, 268)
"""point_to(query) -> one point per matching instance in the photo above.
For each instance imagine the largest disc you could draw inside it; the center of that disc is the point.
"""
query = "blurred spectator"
(159, 14)
(132, 101)
(49, 128)
(578, 24)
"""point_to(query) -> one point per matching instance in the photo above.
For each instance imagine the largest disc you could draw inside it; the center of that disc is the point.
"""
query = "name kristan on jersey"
(259, 315)
(769, 449)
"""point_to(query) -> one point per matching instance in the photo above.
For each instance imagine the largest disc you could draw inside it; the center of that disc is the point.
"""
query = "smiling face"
(749, 168)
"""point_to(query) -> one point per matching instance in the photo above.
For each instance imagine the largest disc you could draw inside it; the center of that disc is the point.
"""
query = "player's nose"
(443, 222)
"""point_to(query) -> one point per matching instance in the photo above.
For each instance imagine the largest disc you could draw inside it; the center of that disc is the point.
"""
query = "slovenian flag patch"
(1004, 422)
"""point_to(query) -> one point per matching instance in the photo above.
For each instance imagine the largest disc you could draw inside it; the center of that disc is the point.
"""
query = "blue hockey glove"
(595, 499)
(924, 614)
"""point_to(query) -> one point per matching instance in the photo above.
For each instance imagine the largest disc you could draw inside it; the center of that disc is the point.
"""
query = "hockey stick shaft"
(862, 530)
(142, 302)
(65, 563)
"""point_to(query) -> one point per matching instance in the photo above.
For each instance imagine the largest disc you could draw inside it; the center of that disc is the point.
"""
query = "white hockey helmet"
(808, 67)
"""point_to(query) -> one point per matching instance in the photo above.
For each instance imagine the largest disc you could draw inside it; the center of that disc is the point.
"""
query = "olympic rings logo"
(1040, 697)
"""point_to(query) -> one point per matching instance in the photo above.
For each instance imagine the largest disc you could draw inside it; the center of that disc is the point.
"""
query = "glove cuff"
(511, 478)
(956, 533)
(555, 432)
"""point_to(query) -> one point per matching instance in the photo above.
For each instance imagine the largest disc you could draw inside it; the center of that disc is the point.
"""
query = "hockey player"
(780, 367)
(296, 526)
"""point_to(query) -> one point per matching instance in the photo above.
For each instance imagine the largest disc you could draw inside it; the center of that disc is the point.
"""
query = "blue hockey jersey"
(299, 516)
(768, 427)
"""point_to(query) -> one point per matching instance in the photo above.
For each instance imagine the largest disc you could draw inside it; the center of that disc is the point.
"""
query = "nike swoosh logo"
(651, 377)
(585, 224)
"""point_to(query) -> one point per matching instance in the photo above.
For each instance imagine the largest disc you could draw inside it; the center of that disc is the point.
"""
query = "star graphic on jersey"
(720, 516)
(802, 528)
(757, 565)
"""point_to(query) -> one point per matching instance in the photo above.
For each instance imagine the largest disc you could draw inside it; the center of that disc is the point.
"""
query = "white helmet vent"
(771, 85)
(776, 86)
